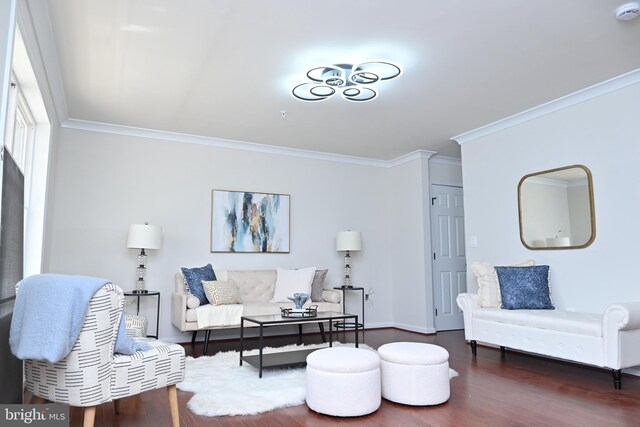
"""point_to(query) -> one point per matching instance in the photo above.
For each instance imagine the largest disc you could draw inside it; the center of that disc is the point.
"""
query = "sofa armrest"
(467, 303)
(179, 311)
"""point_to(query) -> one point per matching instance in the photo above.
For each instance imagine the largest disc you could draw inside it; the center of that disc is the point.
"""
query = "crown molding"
(452, 161)
(409, 157)
(239, 145)
(603, 88)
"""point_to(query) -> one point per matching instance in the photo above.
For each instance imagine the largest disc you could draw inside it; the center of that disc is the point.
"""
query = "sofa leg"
(207, 335)
(617, 378)
(474, 347)
(503, 349)
(193, 337)
(321, 326)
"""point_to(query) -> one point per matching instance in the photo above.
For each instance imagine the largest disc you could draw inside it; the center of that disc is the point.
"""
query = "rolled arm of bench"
(622, 316)
(621, 328)
(467, 303)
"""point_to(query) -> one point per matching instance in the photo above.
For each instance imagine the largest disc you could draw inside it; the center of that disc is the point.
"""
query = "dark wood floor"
(514, 390)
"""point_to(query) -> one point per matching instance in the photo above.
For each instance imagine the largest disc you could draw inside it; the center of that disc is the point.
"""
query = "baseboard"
(413, 328)
(380, 325)
(634, 372)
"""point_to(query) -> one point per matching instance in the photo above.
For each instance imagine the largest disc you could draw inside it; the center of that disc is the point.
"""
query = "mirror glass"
(556, 209)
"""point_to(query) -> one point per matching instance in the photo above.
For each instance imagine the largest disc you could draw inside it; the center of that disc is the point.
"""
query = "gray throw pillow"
(317, 285)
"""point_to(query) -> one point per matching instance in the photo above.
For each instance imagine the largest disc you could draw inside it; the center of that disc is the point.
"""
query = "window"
(19, 130)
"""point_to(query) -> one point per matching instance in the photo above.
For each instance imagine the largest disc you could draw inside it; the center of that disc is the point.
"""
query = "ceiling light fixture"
(628, 11)
(351, 80)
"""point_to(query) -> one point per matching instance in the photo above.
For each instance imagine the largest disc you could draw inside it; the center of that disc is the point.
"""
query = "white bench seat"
(608, 340)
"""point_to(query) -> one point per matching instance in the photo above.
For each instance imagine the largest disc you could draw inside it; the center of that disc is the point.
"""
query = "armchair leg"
(116, 406)
(89, 416)
(39, 400)
(617, 378)
(173, 404)
(474, 347)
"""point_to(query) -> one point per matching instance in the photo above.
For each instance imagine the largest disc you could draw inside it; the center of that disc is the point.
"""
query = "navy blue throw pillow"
(194, 278)
(525, 287)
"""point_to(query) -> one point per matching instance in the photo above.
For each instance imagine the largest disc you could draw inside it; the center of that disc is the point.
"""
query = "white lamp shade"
(349, 241)
(144, 236)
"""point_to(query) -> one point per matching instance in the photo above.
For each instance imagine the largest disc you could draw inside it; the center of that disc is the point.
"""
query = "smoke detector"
(628, 11)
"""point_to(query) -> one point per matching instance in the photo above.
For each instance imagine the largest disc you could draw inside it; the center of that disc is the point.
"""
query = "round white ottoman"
(414, 373)
(343, 381)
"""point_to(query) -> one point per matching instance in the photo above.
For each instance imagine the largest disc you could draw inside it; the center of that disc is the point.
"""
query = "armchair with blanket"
(90, 361)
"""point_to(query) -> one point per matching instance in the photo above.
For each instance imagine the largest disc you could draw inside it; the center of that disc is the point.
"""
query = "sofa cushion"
(194, 277)
(254, 285)
(317, 285)
(488, 288)
(289, 282)
(524, 287)
(192, 314)
(221, 293)
(556, 320)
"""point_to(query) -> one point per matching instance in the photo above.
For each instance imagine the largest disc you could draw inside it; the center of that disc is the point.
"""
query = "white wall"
(445, 171)
(104, 182)
(600, 133)
(408, 233)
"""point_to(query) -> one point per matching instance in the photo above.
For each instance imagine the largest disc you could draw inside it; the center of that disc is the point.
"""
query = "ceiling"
(225, 68)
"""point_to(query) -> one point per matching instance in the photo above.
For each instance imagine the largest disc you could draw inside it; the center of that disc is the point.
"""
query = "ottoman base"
(343, 382)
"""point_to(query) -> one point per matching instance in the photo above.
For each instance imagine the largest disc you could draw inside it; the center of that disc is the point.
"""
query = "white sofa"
(256, 291)
(609, 340)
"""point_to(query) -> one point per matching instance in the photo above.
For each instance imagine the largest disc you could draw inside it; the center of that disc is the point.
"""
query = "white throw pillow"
(289, 282)
(488, 286)
(192, 301)
(329, 295)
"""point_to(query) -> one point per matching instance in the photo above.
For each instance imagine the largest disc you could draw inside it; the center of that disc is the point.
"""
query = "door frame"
(431, 227)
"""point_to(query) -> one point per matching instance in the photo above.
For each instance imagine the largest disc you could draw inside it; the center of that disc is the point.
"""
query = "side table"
(138, 295)
(344, 324)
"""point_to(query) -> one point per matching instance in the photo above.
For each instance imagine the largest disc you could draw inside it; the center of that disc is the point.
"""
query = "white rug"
(222, 387)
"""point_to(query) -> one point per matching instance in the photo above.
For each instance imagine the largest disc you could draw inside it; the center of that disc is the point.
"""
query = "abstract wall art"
(244, 222)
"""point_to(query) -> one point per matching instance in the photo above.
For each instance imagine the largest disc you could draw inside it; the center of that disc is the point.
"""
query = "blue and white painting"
(249, 222)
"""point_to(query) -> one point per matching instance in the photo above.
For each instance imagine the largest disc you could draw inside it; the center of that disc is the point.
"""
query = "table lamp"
(348, 241)
(143, 236)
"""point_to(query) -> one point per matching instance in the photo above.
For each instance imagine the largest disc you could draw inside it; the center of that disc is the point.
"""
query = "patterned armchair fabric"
(92, 374)
(136, 325)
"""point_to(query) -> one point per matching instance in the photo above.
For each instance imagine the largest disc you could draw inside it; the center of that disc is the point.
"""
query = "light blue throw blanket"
(49, 313)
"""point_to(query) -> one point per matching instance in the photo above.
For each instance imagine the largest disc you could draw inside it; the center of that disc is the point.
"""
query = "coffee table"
(287, 358)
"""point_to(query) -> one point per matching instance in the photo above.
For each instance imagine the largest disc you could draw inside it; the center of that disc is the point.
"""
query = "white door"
(449, 262)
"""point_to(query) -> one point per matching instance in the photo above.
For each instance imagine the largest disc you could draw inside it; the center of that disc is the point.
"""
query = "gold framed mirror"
(556, 209)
